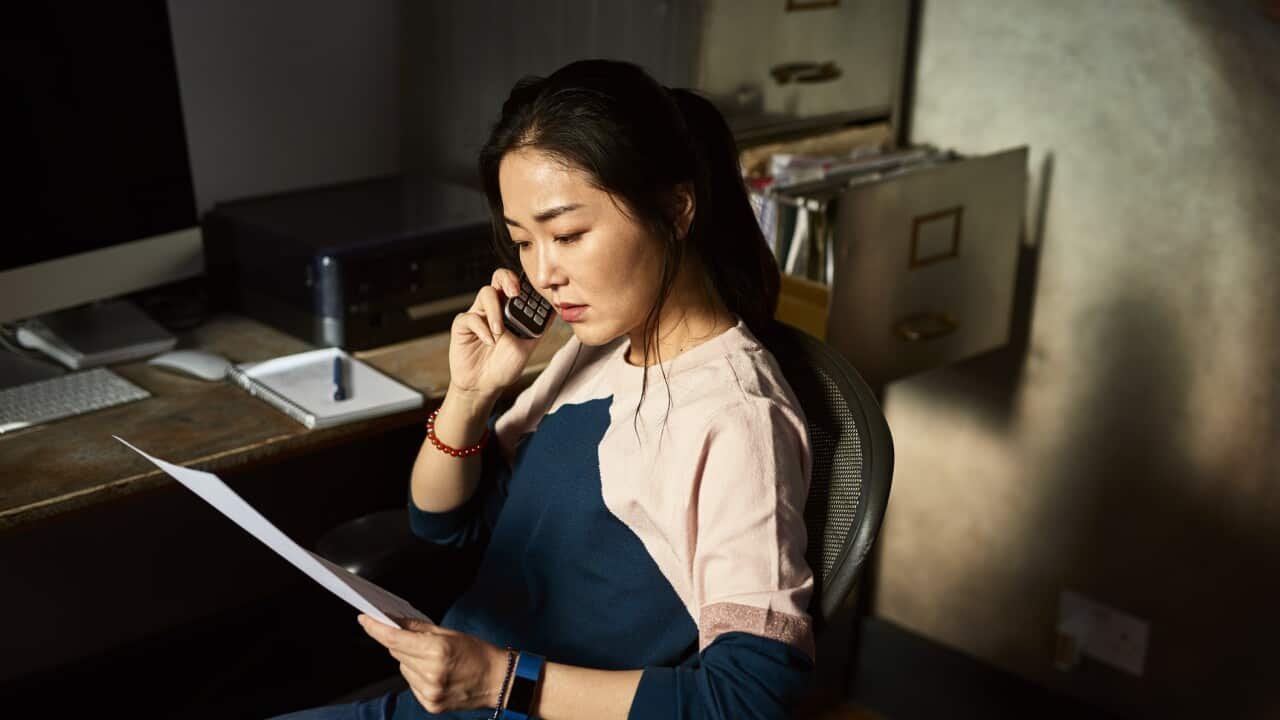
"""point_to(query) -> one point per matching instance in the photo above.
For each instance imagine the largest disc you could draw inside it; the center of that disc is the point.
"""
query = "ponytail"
(726, 234)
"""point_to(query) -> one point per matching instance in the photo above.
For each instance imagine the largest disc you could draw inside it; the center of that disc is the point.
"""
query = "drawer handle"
(805, 72)
(925, 326)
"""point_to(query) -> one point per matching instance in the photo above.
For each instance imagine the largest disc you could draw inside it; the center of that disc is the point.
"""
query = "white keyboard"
(64, 396)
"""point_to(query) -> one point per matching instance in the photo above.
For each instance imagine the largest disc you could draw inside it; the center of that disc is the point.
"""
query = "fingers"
(418, 641)
(396, 639)
(418, 625)
(446, 669)
(472, 323)
(410, 647)
(430, 688)
(490, 306)
(385, 635)
(431, 700)
(507, 281)
(415, 676)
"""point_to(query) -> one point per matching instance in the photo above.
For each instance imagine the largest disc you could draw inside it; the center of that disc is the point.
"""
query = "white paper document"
(358, 592)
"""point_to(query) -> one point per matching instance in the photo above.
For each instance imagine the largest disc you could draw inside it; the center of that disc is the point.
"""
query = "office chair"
(852, 468)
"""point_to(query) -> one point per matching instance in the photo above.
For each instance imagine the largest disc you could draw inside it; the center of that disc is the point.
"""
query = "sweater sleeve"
(473, 520)
(751, 584)
(740, 676)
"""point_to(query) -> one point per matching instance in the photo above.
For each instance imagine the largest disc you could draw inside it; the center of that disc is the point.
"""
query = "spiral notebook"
(303, 386)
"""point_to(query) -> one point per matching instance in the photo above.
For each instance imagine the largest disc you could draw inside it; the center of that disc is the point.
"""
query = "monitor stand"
(112, 331)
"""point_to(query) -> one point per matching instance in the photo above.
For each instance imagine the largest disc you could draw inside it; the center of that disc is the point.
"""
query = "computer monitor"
(105, 203)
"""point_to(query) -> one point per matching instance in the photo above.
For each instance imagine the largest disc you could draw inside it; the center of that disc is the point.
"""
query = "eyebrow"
(548, 214)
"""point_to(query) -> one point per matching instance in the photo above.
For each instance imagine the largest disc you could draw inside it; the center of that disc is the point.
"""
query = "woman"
(642, 500)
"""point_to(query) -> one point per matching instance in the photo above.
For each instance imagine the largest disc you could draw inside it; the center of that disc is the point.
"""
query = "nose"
(544, 271)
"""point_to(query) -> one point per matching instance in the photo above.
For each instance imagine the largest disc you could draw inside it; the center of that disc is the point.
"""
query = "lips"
(571, 313)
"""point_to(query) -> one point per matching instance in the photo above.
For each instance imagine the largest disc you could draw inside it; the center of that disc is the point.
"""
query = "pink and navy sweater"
(671, 541)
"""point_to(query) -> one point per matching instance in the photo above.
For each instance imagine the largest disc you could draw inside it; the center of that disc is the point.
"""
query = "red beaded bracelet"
(447, 450)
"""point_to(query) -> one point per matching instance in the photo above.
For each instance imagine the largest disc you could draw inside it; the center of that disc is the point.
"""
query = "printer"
(356, 265)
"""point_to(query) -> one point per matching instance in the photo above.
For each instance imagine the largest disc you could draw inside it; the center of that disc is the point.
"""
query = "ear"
(683, 207)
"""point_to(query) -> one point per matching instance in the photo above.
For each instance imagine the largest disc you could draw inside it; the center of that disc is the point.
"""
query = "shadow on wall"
(1121, 454)
(1152, 538)
(1227, 554)
(1153, 489)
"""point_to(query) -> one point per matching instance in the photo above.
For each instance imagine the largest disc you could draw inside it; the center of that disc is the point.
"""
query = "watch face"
(524, 684)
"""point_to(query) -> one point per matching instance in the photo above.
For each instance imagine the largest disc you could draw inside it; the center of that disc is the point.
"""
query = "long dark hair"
(639, 142)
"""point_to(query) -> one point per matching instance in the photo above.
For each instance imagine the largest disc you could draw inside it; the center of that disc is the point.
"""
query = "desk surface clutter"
(74, 463)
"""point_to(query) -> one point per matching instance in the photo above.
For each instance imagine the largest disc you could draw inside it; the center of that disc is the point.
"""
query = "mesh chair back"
(852, 466)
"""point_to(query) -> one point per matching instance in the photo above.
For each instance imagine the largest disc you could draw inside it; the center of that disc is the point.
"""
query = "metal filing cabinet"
(918, 261)
(922, 261)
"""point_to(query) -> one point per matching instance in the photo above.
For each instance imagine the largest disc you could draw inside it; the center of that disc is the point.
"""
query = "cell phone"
(527, 314)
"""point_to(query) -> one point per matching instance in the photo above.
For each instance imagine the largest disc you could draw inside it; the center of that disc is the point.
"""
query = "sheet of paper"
(361, 594)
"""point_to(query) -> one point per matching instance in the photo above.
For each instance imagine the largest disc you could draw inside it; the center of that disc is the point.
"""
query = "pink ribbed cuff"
(720, 618)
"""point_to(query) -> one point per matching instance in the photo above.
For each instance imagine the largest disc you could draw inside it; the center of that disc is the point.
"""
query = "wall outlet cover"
(1104, 633)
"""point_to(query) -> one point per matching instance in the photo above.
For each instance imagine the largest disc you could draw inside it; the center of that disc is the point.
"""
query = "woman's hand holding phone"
(485, 357)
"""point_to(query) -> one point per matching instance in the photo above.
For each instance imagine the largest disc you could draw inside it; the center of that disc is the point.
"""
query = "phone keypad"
(528, 313)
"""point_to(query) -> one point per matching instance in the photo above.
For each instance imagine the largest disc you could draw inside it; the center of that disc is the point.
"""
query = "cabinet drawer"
(924, 266)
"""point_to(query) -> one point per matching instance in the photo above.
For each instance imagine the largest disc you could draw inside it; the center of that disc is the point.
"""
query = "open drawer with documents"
(914, 249)
(916, 260)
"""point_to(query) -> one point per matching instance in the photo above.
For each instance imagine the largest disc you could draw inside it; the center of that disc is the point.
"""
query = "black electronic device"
(96, 146)
(357, 265)
(527, 314)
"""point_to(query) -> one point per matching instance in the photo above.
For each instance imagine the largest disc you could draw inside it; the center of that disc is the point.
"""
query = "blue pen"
(339, 383)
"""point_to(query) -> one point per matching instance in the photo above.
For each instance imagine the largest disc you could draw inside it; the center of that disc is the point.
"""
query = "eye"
(520, 245)
(568, 238)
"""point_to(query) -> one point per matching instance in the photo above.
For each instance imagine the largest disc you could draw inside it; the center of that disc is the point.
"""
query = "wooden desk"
(75, 464)
(99, 550)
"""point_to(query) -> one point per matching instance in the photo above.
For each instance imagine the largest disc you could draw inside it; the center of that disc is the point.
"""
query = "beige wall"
(1125, 445)
(741, 40)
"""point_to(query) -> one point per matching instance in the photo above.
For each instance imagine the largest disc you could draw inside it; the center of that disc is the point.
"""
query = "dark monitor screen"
(98, 148)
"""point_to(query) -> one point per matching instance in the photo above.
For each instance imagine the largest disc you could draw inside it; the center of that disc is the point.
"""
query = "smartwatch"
(524, 685)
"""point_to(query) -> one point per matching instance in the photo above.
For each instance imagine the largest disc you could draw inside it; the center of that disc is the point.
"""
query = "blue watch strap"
(524, 685)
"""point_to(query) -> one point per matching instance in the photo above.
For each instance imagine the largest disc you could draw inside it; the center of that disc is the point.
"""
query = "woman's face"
(599, 266)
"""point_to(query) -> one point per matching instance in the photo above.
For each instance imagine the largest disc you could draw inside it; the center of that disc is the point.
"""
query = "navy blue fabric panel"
(739, 676)
(474, 519)
(379, 708)
(562, 576)
(408, 708)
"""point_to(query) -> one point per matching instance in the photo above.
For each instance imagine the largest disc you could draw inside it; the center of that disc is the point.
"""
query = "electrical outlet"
(1101, 632)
